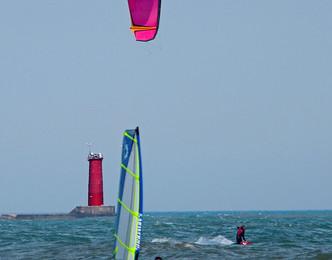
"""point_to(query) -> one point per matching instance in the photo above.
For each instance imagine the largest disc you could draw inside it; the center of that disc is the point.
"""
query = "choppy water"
(192, 235)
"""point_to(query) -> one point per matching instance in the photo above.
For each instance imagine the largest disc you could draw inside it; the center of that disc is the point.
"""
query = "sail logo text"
(139, 231)
(126, 152)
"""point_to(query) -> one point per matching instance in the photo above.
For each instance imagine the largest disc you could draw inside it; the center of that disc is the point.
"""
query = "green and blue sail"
(128, 225)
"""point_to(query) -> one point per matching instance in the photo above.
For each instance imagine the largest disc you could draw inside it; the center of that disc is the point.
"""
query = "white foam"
(218, 240)
(160, 240)
(173, 242)
(187, 245)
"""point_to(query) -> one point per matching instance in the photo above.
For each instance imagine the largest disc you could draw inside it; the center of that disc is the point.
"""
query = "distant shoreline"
(83, 214)
(235, 211)
(77, 212)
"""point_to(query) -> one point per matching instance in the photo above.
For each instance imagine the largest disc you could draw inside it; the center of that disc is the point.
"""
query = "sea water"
(174, 235)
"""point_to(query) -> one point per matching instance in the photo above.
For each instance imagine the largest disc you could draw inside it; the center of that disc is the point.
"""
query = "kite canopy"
(144, 18)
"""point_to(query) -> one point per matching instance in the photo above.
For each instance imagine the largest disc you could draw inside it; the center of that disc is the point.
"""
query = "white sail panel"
(129, 211)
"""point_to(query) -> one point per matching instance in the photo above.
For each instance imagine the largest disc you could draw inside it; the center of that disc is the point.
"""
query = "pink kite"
(144, 18)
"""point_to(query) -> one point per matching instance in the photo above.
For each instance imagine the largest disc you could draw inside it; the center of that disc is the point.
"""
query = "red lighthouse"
(96, 194)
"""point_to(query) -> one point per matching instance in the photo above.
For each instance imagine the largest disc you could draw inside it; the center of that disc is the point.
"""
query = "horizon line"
(184, 211)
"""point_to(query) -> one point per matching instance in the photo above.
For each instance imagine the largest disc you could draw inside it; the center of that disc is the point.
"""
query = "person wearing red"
(240, 235)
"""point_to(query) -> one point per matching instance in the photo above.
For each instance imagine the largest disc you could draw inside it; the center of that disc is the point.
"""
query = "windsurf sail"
(144, 18)
(128, 225)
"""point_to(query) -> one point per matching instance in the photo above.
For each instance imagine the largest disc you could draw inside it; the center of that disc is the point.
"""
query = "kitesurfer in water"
(158, 258)
(240, 234)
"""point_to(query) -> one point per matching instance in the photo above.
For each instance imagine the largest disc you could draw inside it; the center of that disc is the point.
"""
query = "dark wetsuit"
(240, 235)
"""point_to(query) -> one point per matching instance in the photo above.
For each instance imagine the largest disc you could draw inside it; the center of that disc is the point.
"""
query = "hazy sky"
(233, 99)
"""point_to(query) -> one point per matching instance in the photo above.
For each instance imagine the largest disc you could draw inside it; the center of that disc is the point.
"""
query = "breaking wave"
(173, 242)
(218, 240)
(161, 240)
